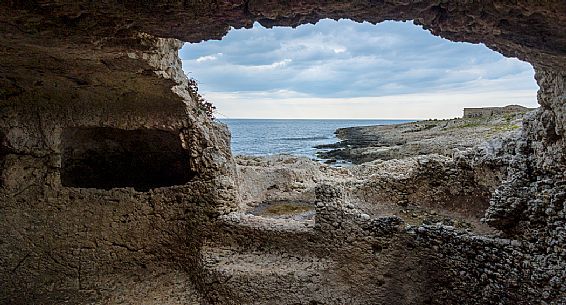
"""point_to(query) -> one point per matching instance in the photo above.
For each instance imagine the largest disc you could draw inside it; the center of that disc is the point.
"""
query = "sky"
(348, 70)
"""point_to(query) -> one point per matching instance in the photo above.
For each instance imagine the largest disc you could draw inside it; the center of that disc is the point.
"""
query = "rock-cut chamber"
(105, 158)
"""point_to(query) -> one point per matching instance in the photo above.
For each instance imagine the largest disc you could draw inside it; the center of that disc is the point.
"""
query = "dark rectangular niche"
(106, 158)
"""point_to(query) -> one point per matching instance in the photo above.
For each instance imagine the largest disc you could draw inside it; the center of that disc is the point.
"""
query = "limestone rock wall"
(431, 181)
(64, 243)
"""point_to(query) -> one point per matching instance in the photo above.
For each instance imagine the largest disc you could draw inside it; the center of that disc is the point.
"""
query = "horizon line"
(338, 119)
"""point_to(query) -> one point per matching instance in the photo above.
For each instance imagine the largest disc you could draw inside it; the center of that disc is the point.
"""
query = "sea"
(261, 137)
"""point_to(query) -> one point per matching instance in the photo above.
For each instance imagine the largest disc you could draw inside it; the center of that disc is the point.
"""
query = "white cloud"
(333, 62)
(281, 63)
(269, 67)
(206, 58)
(408, 106)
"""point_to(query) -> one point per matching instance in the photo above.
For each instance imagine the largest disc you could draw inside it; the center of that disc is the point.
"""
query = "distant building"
(491, 111)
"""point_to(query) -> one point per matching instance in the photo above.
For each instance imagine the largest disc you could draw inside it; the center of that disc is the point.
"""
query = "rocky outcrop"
(67, 65)
(444, 137)
(411, 187)
(75, 227)
(277, 178)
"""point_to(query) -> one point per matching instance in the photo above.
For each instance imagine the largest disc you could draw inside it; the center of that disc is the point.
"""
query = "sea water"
(260, 137)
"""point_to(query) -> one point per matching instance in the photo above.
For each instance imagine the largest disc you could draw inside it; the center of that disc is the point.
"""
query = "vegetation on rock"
(203, 106)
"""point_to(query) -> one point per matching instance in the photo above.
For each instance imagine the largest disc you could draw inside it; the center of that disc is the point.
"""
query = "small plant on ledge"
(203, 106)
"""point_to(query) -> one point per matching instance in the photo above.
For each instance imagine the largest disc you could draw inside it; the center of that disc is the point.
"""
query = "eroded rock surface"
(444, 137)
(83, 64)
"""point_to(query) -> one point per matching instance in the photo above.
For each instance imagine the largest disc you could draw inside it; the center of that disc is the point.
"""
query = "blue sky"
(343, 69)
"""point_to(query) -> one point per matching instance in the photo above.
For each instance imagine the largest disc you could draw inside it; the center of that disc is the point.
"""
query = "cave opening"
(352, 94)
(106, 158)
(270, 84)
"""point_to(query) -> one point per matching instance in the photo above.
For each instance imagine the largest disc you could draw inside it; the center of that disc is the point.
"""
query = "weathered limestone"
(62, 243)
(84, 64)
(492, 111)
(367, 143)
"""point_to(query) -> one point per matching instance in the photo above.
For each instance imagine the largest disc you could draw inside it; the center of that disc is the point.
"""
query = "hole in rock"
(105, 158)
(376, 248)
(390, 96)
(284, 90)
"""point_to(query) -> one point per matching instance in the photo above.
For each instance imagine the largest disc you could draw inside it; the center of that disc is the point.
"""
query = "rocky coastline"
(443, 171)
(386, 142)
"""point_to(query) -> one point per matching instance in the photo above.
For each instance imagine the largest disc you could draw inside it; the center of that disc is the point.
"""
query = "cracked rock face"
(68, 65)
